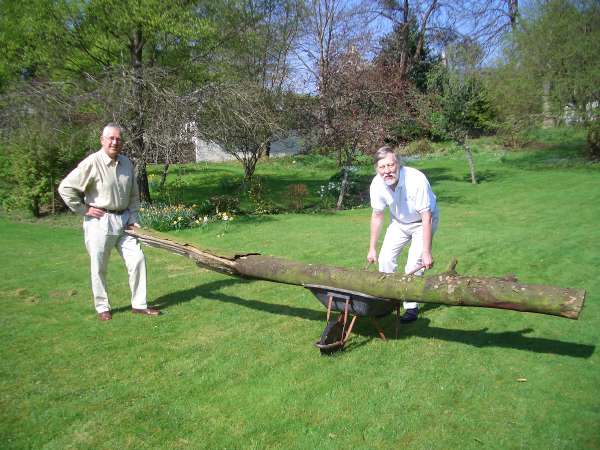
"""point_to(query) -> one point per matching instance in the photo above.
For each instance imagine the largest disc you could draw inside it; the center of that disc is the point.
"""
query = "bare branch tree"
(331, 29)
(242, 118)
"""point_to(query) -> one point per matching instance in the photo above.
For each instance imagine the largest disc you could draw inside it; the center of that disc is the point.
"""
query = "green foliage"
(462, 107)
(513, 132)
(35, 159)
(164, 217)
(556, 45)
(593, 140)
(225, 203)
(256, 194)
(409, 129)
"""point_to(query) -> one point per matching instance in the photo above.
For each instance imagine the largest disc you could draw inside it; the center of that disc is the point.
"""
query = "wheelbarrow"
(350, 304)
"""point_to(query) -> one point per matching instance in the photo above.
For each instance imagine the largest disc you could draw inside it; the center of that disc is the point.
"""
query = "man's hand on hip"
(92, 211)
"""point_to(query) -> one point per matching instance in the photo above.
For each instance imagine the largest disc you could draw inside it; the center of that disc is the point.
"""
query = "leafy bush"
(260, 205)
(408, 129)
(593, 140)
(163, 217)
(514, 132)
(34, 160)
(225, 203)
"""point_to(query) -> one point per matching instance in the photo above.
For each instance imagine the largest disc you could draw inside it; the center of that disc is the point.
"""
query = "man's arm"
(72, 189)
(427, 257)
(376, 221)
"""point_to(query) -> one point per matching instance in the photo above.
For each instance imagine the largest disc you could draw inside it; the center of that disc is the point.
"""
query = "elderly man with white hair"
(414, 218)
(103, 189)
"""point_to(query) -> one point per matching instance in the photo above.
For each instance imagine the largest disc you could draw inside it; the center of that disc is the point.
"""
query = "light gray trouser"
(101, 236)
(396, 237)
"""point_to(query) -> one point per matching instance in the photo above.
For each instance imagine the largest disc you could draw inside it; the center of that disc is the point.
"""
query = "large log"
(448, 288)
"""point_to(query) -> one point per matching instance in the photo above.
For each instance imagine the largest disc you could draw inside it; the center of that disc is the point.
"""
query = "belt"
(112, 211)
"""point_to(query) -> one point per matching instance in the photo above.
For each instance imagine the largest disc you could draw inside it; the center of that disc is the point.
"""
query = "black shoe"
(410, 315)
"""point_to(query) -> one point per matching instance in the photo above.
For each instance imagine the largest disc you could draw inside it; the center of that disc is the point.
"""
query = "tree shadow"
(421, 327)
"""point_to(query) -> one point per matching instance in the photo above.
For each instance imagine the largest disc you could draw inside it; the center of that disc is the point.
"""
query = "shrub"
(163, 217)
(260, 205)
(593, 140)
(225, 203)
(34, 160)
(408, 129)
(513, 132)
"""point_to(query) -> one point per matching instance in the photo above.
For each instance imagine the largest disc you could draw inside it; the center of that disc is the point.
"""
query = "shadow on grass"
(211, 291)
(421, 328)
(506, 339)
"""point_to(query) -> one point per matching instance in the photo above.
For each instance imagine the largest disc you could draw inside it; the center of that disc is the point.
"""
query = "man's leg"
(99, 246)
(394, 241)
(131, 251)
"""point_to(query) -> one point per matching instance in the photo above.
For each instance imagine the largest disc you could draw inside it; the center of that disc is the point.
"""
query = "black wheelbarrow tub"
(360, 304)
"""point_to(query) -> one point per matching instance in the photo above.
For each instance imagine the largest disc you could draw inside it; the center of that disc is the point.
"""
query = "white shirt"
(411, 197)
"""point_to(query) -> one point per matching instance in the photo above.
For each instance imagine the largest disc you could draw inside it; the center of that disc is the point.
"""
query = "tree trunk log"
(447, 288)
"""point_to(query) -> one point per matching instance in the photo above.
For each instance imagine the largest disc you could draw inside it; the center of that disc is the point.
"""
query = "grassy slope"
(231, 364)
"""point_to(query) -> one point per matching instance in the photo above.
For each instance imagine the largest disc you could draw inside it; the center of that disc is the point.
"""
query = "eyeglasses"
(112, 138)
(386, 166)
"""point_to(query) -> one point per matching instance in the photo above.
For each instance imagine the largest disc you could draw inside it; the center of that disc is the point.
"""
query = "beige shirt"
(101, 182)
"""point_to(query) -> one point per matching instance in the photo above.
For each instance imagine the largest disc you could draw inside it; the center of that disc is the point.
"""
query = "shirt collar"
(107, 159)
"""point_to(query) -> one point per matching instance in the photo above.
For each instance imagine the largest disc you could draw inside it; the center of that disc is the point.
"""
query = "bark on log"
(447, 288)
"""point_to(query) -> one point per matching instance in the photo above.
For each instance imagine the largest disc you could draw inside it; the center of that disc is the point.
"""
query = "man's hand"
(427, 260)
(92, 211)
(131, 226)
(372, 256)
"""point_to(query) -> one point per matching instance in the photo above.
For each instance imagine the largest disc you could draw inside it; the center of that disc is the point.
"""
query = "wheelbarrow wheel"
(332, 338)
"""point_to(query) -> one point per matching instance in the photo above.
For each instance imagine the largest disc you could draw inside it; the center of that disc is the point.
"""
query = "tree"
(416, 25)
(461, 108)
(75, 39)
(332, 28)
(242, 118)
(557, 45)
(365, 101)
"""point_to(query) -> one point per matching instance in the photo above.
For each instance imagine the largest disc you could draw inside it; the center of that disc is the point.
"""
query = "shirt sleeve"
(423, 196)
(72, 188)
(377, 201)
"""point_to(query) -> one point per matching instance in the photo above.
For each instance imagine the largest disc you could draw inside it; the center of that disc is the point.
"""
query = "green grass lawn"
(231, 363)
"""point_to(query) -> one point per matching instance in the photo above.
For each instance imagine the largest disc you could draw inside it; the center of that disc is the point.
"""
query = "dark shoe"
(105, 315)
(410, 315)
(146, 312)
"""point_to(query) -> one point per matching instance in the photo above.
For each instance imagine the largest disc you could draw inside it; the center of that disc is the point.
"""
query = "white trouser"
(101, 236)
(397, 236)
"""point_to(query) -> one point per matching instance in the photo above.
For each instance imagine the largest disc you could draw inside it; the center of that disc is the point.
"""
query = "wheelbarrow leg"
(379, 329)
(350, 328)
